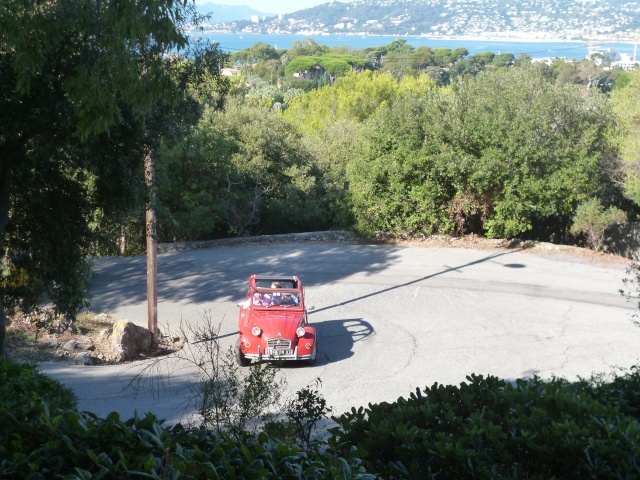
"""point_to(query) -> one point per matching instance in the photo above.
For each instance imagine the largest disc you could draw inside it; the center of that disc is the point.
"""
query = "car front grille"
(279, 343)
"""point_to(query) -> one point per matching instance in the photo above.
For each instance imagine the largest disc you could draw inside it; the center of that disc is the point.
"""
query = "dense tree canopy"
(354, 97)
(246, 170)
(259, 51)
(76, 78)
(626, 103)
(467, 161)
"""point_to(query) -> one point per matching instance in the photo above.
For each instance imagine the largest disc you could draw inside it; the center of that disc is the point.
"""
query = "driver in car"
(289, 299)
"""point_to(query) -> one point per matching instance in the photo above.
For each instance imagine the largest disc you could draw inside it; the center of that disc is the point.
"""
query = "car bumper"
(261, 356)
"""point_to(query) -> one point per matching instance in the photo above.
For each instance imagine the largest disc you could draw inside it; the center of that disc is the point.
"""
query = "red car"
(273, 322)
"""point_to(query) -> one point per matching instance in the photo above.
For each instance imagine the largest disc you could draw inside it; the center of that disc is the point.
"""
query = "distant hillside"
(446, 18)
(230, 13)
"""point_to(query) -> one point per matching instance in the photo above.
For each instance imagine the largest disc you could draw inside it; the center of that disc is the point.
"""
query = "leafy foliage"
(334, 64)
(71, 74)
(488, 428)
(272, 185)
(483, 428)
(259, 51)
(305, 410)
(354, 97)
(192, 181)
(84, 446)
(25, 392)
(464, 160)
(626, 104)
(592, 219)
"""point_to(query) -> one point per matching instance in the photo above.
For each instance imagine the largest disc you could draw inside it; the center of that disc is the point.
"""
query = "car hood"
(277, 323)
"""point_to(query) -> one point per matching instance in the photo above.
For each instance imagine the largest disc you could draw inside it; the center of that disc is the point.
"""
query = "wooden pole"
(152, 267)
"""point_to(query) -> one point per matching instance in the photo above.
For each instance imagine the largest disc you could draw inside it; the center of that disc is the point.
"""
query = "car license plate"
(274, 352)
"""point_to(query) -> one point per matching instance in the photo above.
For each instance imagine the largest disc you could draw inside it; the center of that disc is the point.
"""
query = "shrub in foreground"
(23, 388)
(489, 428)
(486, 428)
(76, 445)
(42, 436)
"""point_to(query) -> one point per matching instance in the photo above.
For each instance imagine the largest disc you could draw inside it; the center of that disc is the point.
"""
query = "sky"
(271, 6)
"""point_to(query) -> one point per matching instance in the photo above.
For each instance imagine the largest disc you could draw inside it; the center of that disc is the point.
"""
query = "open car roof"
(286, 282)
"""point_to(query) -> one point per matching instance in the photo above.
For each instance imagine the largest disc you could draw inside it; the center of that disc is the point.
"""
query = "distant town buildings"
(626, 62)
(492, 19)
(613, 59)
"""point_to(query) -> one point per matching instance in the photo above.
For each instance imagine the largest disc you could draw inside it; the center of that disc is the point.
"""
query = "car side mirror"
(240, 304)
(311, 307)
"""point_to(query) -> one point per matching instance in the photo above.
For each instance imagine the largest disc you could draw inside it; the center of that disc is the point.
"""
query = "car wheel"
(314, 355)
(240, 358)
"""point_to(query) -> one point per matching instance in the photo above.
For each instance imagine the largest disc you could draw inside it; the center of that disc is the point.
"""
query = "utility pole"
(152, 250)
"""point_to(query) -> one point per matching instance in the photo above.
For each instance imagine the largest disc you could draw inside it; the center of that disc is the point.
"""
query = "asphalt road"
(389, 319)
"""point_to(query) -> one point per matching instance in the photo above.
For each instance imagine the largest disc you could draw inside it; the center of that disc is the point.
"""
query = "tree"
(490, 155)
(626, 105)
(503, 60)
(69, 72)
(271, 185)
(307, 47)
(593, 220)
(352, 97)
(258, 52)
(302, 63)
(332, 64)
(473, 65)
(193, 176)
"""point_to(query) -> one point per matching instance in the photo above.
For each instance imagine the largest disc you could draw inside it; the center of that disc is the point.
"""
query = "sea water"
(535, 48)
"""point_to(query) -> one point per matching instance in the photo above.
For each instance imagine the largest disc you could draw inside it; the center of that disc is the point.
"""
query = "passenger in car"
(276, 296)
(263, 299)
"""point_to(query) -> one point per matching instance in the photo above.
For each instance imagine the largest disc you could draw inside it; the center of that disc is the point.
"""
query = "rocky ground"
(40, 338)
(87, 341)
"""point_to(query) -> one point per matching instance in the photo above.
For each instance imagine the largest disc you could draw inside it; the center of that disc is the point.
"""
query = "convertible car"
(273, 322)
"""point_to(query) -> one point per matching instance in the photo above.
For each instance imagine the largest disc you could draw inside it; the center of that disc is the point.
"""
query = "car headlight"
(256, 331)
(300, 331)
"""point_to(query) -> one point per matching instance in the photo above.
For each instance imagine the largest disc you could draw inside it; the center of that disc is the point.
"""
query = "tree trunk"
(152, 272)
(122, 243)
(5, 200)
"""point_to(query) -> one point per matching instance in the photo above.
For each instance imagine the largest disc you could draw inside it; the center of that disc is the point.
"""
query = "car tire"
(240, 358)
(314, 355)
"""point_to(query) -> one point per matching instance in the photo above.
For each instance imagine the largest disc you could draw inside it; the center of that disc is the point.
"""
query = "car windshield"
(263, 297)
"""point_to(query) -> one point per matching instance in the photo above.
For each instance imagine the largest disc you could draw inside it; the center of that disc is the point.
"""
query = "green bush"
(593, 220)
(41, 437)
(486, 428)
(489, 428)
(24, 389)
(82, 446)
(622, 390)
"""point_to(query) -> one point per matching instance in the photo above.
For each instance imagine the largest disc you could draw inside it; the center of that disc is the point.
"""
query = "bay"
(230, 42)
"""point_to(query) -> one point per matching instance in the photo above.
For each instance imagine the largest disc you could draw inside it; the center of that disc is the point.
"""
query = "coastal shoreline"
(515, 37)
(537, 48)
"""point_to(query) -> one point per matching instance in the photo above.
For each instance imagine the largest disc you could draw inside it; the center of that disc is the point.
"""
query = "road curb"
(333, 236)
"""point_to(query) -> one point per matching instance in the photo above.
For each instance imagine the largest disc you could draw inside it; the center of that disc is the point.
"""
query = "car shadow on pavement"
(336, 338)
